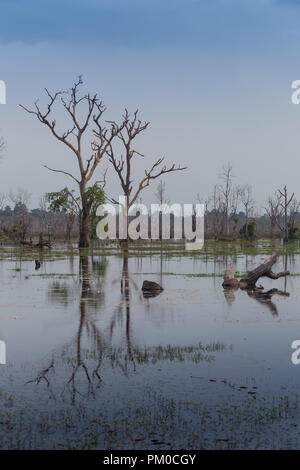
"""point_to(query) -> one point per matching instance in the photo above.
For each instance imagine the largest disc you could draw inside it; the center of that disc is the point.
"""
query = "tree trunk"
(84, 236)
(286, 227)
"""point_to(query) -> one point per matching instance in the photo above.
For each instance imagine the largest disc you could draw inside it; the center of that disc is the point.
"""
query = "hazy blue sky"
(213, 77)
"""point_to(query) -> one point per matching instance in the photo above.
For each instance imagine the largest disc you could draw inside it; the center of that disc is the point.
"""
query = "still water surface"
(91, 363)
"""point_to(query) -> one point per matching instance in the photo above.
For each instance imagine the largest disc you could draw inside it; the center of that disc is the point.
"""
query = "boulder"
(151, 287)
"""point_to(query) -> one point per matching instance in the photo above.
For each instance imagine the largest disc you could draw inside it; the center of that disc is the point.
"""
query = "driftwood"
(262, 270)
(249, 282)
(36, 245)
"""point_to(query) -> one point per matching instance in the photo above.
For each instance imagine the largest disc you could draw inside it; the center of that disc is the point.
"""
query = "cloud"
(86, 21)
(119, 22)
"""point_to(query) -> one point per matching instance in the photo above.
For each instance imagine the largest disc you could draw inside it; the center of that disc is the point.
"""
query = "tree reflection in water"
(87, 360)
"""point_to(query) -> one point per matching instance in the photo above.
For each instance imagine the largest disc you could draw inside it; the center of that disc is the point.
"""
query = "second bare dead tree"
(282, 210)
(273, 211)
(226, 191)
(161, 193)
(285, 201)
(130, 129)
(248, 204)
(84, 132)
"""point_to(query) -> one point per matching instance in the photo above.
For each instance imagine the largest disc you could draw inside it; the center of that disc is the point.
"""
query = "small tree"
(249, 231)
(64, 201)
(67, 202)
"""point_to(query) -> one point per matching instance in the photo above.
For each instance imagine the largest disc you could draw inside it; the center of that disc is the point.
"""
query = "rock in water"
(37, 264)
(151, 287)
(229, 279)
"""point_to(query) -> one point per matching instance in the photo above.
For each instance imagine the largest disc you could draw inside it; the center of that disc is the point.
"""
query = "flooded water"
(93, 364)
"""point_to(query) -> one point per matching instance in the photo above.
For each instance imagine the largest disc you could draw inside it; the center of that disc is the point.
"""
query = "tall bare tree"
(217, 211)
(285, 202)
(3, 198)
(161, 193)
(293, 211)
(226, 190)
(130, 128)
(248, 204)
(273, 210)
(20, 197)
(84, 112)
(2, 146)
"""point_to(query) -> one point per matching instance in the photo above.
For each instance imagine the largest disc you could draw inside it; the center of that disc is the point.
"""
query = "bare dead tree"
(130, 128)
(217, 213)
(43, 206)
(248, 204)
(226, 192)
(85, 113)
(293, 211)
(207, 206)
(284, 202)
(161, 193)
(273, 211)
(3, 198)
(20, 199)
(2, 146)
(21, 196)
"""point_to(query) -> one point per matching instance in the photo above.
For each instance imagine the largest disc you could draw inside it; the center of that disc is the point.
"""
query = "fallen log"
(263, 270)
(36, 245)
(249, 282)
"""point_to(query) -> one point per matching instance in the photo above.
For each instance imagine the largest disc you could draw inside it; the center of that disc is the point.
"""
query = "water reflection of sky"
(54, 314)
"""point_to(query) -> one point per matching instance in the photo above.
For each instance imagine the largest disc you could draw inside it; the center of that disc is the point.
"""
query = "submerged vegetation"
(156, 422)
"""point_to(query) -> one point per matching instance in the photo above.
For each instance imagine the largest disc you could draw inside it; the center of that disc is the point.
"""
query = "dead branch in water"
(249, 282)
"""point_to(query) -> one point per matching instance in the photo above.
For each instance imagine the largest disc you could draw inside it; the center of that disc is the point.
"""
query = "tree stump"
(229, 279)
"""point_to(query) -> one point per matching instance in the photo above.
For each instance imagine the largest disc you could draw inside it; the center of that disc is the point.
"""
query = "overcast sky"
(212, 76)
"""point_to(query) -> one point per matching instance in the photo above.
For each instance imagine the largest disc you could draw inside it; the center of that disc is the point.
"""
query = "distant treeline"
(21, 223)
